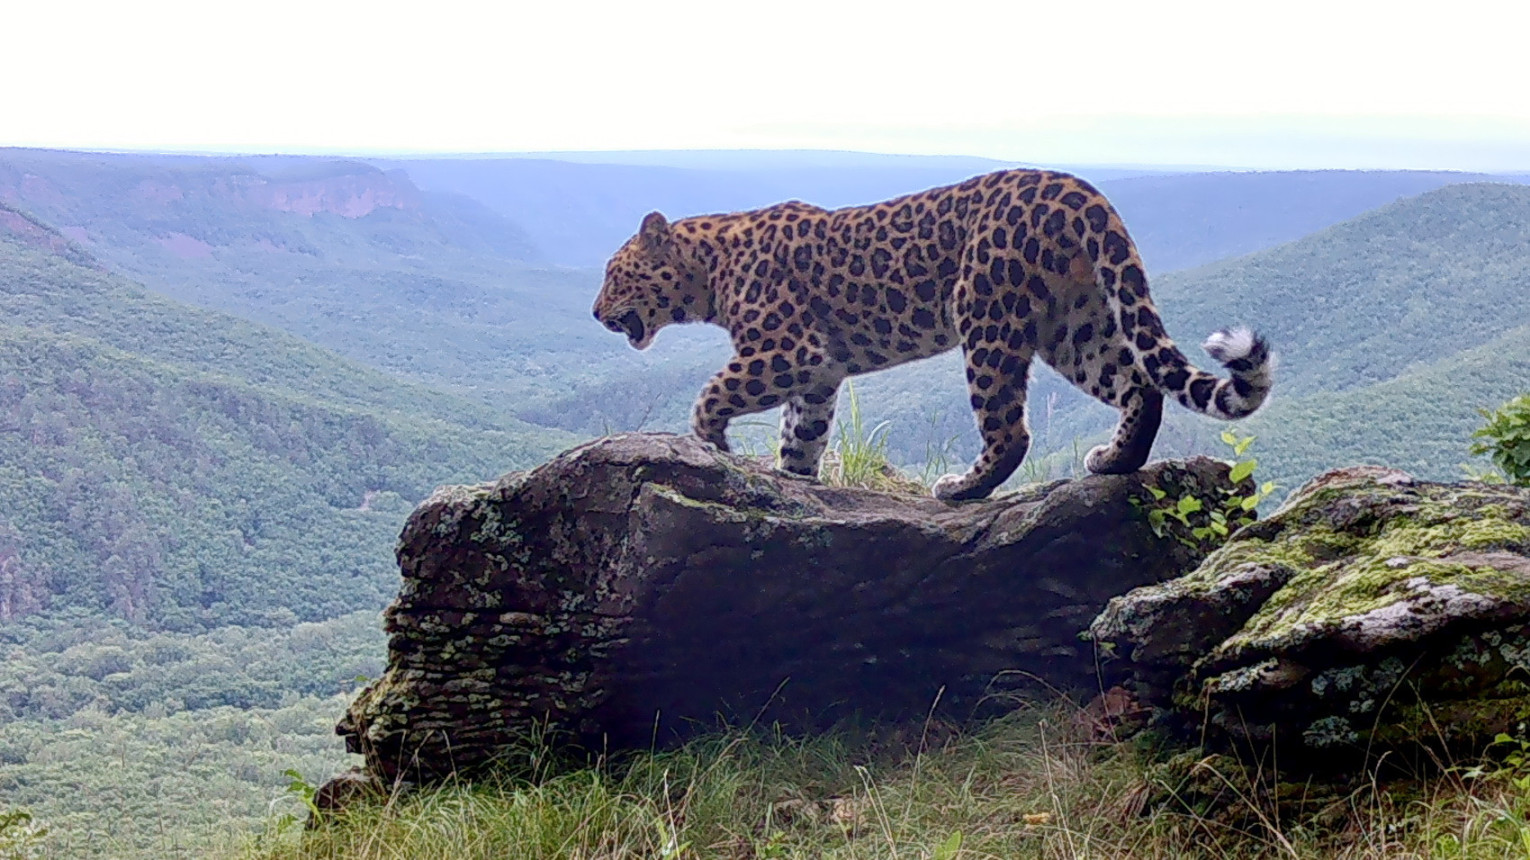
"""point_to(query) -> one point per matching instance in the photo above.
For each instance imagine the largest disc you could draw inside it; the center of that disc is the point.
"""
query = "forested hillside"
(1417, 421)
(1410, 283)
(197, 517)
(184, 469)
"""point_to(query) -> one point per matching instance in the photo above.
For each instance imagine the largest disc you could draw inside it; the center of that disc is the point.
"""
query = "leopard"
(1010, 266)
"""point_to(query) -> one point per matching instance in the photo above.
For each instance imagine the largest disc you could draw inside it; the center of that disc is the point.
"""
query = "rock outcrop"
(1372, 614)
(638, 587)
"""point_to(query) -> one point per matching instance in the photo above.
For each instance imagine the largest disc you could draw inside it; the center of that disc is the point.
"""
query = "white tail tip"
(1229, 345)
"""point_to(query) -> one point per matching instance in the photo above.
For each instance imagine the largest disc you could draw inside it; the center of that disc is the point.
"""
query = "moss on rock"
(1357, 616)
(1377, 556)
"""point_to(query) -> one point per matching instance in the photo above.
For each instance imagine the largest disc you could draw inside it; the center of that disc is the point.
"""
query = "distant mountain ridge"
(84, 194)
(580, 207)
(579, 213)
(751, 159)
(439, 290)
(1188, 220)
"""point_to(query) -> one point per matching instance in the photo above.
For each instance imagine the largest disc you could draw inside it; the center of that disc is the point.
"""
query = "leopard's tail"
(1246, 355)
(1250, 362)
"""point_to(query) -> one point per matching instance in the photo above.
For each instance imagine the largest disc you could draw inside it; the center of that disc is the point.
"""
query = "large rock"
(638, 587)
(1372, 613)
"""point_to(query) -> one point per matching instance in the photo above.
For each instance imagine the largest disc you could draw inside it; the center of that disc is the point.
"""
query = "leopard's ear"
(655, 231)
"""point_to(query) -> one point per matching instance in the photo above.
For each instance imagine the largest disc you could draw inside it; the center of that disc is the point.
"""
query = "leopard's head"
(648, 286)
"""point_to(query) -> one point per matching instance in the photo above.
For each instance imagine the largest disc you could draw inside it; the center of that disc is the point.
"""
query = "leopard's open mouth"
(631, 325)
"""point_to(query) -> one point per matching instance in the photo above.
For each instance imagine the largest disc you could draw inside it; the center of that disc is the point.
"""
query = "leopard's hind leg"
(1132, 443)
(1083, 343)
(997, 375)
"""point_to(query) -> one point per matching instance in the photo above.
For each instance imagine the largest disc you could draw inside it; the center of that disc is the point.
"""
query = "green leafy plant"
(1203, 528)
(301, 788)
(21, 836)
(304, 792)
(948, 849)
(1513, 766)
(1506, 439)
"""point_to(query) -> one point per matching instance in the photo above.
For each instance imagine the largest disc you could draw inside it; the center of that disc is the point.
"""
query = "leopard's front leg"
(744, 387)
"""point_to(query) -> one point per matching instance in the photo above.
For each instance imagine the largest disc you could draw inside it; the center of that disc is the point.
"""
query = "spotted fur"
(1010, 266)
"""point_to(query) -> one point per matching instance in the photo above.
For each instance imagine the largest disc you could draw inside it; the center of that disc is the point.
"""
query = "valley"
(226, 381)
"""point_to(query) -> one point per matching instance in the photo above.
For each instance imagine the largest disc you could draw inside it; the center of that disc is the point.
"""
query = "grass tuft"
(1028, 785)
(858, 456)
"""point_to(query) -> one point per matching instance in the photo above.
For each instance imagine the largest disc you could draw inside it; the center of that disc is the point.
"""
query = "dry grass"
(1025, 786)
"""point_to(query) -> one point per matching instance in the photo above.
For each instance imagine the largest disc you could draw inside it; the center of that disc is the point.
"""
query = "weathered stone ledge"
(642, 586)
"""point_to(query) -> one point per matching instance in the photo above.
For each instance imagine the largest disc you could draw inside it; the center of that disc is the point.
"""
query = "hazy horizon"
(1299, 85)
(749, 158)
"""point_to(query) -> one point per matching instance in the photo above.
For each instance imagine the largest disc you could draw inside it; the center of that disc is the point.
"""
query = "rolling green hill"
(1419, 421)
(184, 470)
(52, 283)
(197, 518)
(1412, 282)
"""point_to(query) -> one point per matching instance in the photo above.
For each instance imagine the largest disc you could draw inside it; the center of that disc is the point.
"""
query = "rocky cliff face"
(345, 188)
(1372, 613)
(343, 212)
(349, 190)
(640, 587)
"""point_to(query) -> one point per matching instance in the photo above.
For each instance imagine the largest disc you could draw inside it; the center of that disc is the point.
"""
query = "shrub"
(1506, 438)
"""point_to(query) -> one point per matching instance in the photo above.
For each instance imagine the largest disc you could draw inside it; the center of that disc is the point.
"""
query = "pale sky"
(1293, 83)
